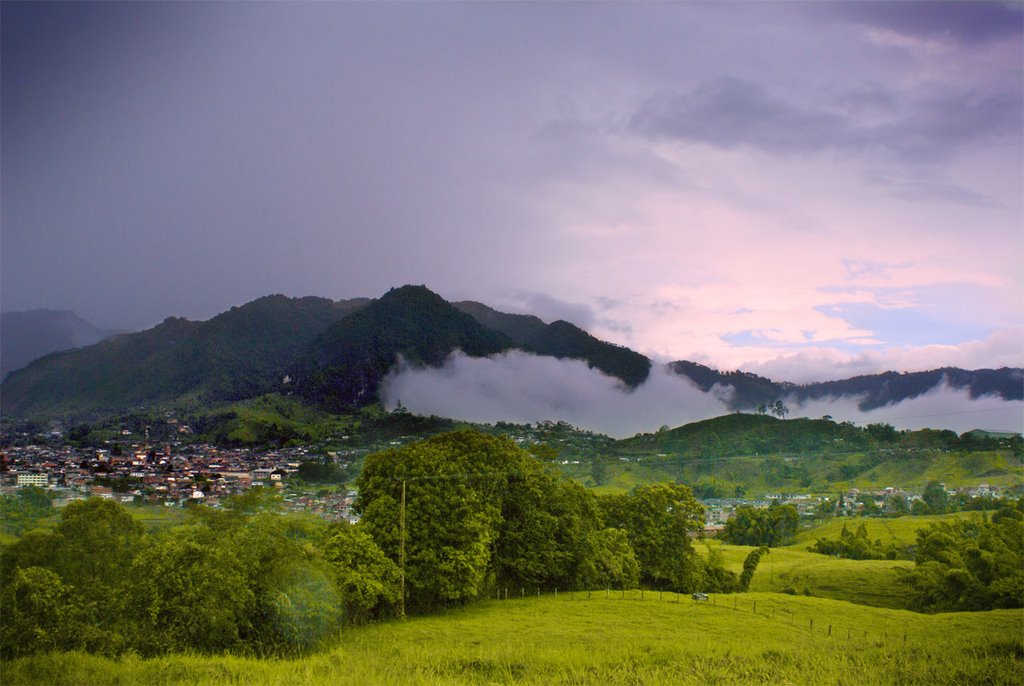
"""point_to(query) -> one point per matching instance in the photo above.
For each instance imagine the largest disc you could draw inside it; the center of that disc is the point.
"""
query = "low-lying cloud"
(942, 407)
(523, 388)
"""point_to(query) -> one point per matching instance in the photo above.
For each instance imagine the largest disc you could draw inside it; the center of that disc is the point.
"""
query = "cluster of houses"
(190, 474)
(853, 502)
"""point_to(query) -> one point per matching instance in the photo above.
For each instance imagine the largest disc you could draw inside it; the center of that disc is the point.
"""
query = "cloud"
(730, 112)
(550, 309)
(940, 408)
(922, 190)
(524, 388)
(1002, 348)
(967, 22)
(520, 387)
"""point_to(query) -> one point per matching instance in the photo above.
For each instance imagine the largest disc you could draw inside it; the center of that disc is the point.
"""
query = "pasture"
(609, 638)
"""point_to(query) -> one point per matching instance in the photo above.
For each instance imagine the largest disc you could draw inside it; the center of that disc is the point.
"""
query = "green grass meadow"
(610, 638)
(899, 530)
(792, 571)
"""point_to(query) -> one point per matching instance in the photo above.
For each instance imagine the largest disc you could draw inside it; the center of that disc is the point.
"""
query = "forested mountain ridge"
(871, 390)
(336, 354)
(238, 354)
(562, 339)
(346, 364)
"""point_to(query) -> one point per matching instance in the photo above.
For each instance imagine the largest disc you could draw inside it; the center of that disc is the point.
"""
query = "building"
(39, 479)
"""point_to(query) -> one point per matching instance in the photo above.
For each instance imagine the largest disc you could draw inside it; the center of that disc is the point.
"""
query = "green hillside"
(796, 571)
(899, 530)
(610, 639)
(238, 354)
(563, 340)
(346, 364)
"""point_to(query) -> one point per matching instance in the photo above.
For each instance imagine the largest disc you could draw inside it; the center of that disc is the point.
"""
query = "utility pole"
(401, 554)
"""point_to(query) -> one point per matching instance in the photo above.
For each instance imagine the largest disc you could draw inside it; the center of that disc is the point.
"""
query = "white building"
(33, 479)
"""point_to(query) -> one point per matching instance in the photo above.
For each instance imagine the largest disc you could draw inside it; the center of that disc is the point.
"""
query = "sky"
(805, 190)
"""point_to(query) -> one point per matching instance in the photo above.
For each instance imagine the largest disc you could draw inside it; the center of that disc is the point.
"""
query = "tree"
(611, 562)
(187, 595)
(750, 566)
(40, 614)
(771, 527)
(367, 580)
(935, 497)
(479, 512)
(658, 520)
(972, 564)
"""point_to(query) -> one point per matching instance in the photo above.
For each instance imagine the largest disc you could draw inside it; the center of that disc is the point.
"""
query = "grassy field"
(865, 582)
(611, 639)
(789, 570)
(899, 530)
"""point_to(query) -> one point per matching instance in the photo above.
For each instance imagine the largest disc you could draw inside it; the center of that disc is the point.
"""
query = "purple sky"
(805, 190)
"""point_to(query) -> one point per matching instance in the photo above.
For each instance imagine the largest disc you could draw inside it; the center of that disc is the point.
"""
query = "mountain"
(238, 354)
(337, 354)
(562, 340)
(29, 335)
(871, 391)
(346, 364)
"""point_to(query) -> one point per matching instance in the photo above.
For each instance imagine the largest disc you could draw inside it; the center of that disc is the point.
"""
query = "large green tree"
(479, 513)
(659, 519)
(772, 526)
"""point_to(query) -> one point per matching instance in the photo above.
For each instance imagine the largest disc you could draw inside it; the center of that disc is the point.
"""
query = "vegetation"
(345, 366)
(770, 527)
(615, 639)
(244, 579)
(563, 340)
(970, 564)
(24, 510)
(874, 390)
(481, 514)
(238, 354)
(857, 546)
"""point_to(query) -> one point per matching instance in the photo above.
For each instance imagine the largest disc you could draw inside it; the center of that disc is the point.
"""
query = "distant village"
(188, 474)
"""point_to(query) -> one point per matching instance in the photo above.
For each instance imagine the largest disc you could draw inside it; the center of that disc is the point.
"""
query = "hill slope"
(347, 363)
(871, 390)
(238, 354)
(563, 340)
(613, 638)
(29, 335)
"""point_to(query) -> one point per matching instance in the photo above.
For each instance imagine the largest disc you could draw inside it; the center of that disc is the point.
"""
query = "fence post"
(812, 624)
(829, 629)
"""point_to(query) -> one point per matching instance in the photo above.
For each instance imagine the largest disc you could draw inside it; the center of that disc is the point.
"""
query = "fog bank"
(523, 388)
